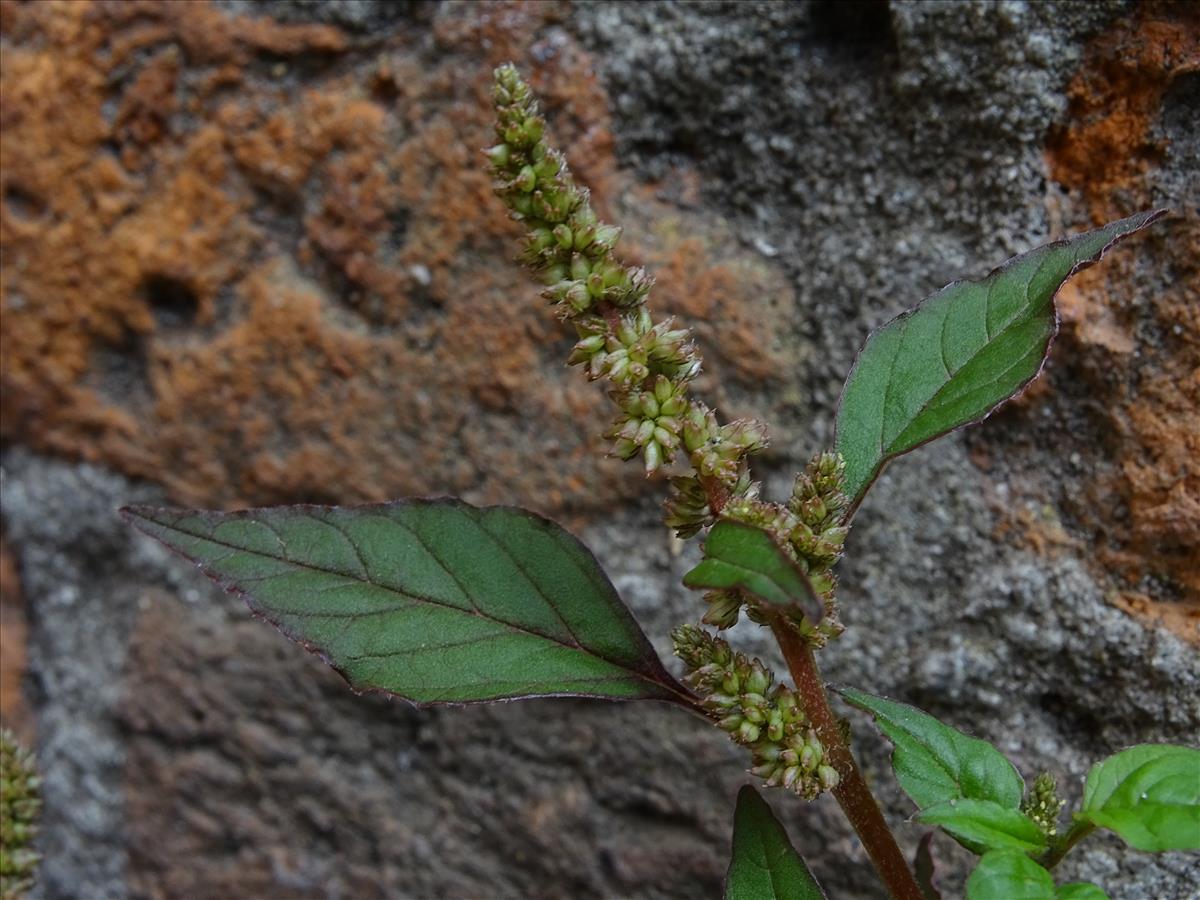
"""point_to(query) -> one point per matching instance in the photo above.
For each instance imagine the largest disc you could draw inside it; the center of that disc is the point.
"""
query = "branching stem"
(1062, 846)
(852, 792)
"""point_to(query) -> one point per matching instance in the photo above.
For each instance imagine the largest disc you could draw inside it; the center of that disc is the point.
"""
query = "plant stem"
(852, 793)
(1063, 845)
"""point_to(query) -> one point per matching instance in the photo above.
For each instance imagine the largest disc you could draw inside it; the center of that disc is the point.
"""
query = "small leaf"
(983, 825)
(434, 601)
(1009, 875)
(1149, 795)
(737, 555)
(935, 763)
(765, 865)
(925, 869)
(959, 354)
(1080, 890)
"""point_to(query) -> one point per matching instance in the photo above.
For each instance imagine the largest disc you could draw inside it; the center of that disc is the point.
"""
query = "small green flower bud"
(584, 236)
(580, 267)
(563, 235)
(533, 127)
(652, 457)
(605, 239)
(584, 218)
(828, 777)
(548, 165)
(748, 732)
(499, 155)
(595, 285)
(539, 239)
(526, 179)
(522, 205)
(731, 723)
(809, 758)
(791, 775)
(723, 609)
(555, 275)
(579, 298)
(624, 449)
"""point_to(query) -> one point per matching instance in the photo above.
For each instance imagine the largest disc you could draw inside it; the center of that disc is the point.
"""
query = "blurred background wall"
(250, 256)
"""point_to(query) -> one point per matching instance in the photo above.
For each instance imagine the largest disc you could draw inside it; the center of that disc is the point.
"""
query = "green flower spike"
(649, 363)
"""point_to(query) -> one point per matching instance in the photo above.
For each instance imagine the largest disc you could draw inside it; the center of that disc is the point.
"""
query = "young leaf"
(434, 601)
(1149, 795)
(737, 555)
(959, 354)
(935, 763)
(1009, 875)
(765, 865)
(983, 825)
(925, 869)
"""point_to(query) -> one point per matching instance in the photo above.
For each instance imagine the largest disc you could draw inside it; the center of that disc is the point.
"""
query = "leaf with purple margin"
(433, 601)
(737, 555)
(960, 353)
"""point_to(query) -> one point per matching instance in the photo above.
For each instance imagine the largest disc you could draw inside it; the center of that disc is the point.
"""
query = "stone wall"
(251, 257)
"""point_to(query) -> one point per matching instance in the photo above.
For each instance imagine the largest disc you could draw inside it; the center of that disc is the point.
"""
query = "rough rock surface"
(251, 257)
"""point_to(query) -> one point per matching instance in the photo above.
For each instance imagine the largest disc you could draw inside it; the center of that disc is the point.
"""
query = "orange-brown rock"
(253, 289)
(1102, 153)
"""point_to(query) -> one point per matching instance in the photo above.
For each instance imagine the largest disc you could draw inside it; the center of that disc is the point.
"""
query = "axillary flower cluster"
(762, 715)
(650, 366)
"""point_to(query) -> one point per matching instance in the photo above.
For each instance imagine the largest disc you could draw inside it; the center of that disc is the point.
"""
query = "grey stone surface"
(876, 150)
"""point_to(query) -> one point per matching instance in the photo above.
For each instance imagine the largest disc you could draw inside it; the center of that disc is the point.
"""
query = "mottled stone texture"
(251, 257)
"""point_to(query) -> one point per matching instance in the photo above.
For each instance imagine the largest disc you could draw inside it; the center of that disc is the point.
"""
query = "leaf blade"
(1009, 875)
(738, 555)
(432, 601)
(960, 353)
(985, 825)
(1149, 795)
(764, 865)
(935, 763)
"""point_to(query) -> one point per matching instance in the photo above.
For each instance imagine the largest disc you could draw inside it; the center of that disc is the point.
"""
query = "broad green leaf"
(434, 601)
(985, 825)
(935, 763)
(765, 865)
(737, 555)
(1009, 875)
(1149, 795)
(959, 354)
(1080, 890)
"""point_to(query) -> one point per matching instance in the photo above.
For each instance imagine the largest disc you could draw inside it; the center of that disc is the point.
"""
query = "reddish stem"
(852, 793)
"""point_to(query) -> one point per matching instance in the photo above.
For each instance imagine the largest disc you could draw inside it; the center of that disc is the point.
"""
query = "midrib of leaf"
(756, 573)
(1025, 312)
(625, 670)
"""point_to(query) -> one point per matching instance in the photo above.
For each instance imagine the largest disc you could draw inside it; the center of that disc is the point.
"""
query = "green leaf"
(935, 763)
(1149, 795)
(1080, 890)
(765, 865)
(737, 555)
(434, 601)
(959, 354)
(985, 825)
(1009, 875)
